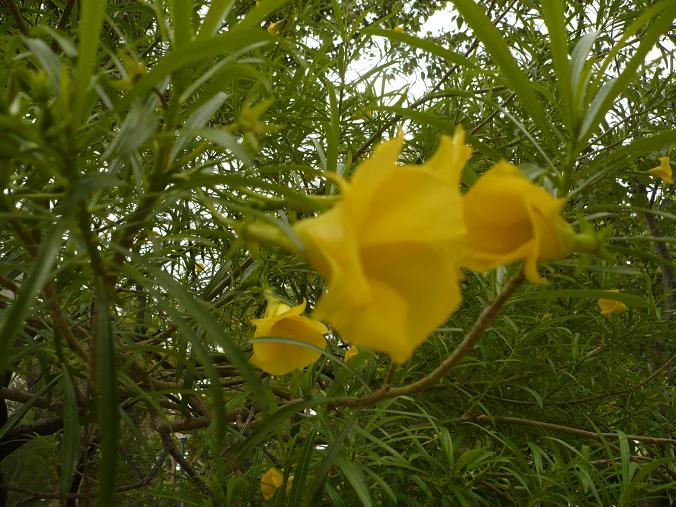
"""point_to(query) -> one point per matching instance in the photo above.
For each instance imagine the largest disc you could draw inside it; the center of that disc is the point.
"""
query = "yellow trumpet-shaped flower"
(510, 219)
(271, 481)
(391, 247)
(662, 171)
(282, 321)
(610, 306)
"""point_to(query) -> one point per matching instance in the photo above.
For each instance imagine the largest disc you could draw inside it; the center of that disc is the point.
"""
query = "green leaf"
(106, 394)
(424, 44)
(629, 299)
(181, 18)
(193, 52)
(258, 14)
(605, 98)
(552, 12)
(13, 318)
(91, 21)
(71, 433)
(499, 51)
(356, 479)
(218, 11)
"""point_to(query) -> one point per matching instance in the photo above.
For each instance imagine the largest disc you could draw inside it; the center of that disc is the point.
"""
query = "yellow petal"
(609, 306)
(662, 171)
(270, 481)
(510, 219)
(391, 248)
(286, 322)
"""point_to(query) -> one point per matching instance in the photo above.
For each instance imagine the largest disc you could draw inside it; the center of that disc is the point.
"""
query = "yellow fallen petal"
(609, 306)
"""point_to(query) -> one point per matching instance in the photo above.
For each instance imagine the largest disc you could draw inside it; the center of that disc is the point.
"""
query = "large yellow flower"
(391, 247)
(510, 219)
(610, 306)
(662, 171)
(282, 321)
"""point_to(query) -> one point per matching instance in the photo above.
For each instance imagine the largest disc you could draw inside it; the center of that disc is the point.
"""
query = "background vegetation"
(140, 139)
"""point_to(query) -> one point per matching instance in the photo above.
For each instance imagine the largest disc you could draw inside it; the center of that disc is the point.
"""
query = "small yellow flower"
(199, 267)
(271, 481)
(275, 27)
(398, 29)
(351, 352)
(546, 316)
(662, 171)
(282, 321)
(610, 306)
(391, 247)
(509, 219)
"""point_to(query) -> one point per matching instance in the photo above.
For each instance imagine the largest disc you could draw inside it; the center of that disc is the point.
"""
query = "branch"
(485, 319)
(20, 23)
(486, 419)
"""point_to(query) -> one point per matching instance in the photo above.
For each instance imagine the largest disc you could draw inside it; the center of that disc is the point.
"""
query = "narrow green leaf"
(218, 11)
(302, 467)
(424, 44)
(48, 60)
(91, 21)
(629, 299)
(553, 15)
(356, 479)
(71, 433)
(193, 52)
(198, 119)
(200, 312)
(497, 47)
(609, 92)
(106, 391)
(273, 421)
(13, 318)
(258, 14)
(181, 18)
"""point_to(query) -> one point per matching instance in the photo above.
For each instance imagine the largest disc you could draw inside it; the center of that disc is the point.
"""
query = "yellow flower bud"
(546, 316)
(282, 321)
(398, 29)
(662, 171)
(199, 267)
(391, 247)
(275, 27)
(609, 306)
(350, 353)
(510, 219)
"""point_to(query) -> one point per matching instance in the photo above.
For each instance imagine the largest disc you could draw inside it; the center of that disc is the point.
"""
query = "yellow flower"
(509, 219)
(350, 353)
(610, 306)
(662, 171)
(390, 248)
(271, 481)
(546, 316)
(398, 29)
(199, 267)
(275, 27)
(282, 321)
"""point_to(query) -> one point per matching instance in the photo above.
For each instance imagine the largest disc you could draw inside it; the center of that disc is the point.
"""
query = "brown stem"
(486, 419)
(20, 23)
(485, 319)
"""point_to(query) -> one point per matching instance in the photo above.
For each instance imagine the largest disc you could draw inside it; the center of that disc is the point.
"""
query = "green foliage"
(142, 143)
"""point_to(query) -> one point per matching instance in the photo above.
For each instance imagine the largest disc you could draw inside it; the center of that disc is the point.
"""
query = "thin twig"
(20, 23)
(487, 419)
